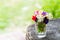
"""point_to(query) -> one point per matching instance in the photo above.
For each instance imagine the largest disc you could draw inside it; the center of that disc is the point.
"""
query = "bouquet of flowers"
(41, 19)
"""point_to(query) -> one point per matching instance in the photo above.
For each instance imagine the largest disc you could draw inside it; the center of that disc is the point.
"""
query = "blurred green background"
(20, 11)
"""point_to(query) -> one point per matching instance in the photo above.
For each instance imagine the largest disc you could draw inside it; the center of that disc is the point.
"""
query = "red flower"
(34, 18)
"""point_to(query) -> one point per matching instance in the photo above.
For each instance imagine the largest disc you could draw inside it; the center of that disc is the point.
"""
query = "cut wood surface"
(53, 31)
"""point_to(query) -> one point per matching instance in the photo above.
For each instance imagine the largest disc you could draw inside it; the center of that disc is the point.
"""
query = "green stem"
(41, 26)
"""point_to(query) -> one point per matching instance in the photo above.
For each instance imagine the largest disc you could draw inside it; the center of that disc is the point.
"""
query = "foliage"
(51, 6)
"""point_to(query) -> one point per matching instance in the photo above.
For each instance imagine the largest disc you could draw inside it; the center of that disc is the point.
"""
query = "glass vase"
(40, 29)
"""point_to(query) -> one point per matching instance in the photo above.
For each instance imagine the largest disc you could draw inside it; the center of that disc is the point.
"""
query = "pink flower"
(36, 12)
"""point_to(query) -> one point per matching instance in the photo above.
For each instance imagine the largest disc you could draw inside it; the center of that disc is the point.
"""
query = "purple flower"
(43, 13)
(46, 20)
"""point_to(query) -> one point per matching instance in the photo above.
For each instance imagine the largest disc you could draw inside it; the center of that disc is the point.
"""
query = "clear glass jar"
(40, 28)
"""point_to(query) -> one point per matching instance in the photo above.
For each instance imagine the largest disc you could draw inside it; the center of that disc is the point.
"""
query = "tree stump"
(52, 29)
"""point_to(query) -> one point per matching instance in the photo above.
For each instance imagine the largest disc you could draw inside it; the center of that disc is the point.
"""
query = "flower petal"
(36, 12)
(43, 13)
